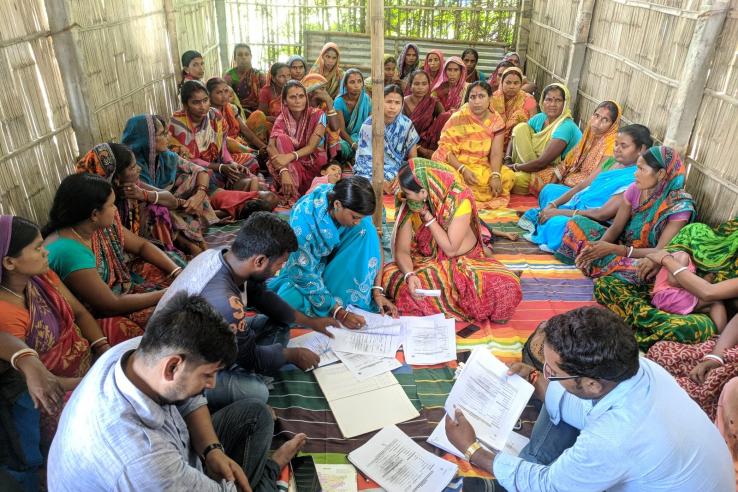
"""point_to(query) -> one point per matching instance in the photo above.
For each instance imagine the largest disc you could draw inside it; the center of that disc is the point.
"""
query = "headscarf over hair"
(333, 76)
(295, 58)
(404, 69)
(508, 56)
(346, 75)
(441, 66)
(313, 81)
(6, 228)
(299, 130)
(139, 135)
(188, 56)
(453, 99)
(99, 160)
(587, 155)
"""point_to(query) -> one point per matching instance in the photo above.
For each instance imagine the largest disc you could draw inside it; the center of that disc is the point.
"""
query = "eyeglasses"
(548, 374)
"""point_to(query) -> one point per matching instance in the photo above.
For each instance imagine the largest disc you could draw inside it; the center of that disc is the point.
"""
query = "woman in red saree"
(270, 96)
(451, 85)
(295, 153)
(437, 244)
(433, 64)
(202, 131)
(426, 113)
(37, 309)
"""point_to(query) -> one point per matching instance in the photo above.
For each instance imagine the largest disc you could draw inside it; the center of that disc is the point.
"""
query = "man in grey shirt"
(138, 420)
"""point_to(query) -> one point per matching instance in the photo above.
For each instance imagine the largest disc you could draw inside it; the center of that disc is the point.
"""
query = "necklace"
(78, 235)
(12, 292)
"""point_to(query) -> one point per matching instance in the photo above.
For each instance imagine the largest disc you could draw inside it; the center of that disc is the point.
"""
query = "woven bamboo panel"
(551, 28)
(197, 29)
(37, 144)
(126, 61)
(713, 174)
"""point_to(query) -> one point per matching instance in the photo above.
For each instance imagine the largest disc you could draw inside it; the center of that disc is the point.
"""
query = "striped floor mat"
(549, 288)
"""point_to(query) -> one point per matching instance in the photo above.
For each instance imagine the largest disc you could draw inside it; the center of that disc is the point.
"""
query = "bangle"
(630, 251)
(335, 311)
(495, 174)
(156, 198)
(174, 272)
(202, 188)
(714, 357)
(377, 287)
(297, 156)
(20, 354)
(344, 315)
(407, 275)
(554, 203)
(181, 202)
(428, 224)
(515, 167)
(461, 168)
(220, 166)
(679, 270)
(331, 113)
(104, 340)
(215, 445)
(471, 450)
(283, 170)
(574, 212)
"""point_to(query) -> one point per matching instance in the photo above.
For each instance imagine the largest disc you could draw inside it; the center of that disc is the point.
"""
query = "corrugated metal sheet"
(356, 48)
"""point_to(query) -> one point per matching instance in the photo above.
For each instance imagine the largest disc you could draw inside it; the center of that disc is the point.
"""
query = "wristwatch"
(210, 447)
(471, 450)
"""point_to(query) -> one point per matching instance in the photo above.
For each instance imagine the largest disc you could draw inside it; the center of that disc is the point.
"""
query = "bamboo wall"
(124, 49)
(635, 54)
(37, 144)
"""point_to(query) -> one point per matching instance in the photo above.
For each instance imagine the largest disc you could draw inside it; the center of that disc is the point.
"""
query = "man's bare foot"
(288, 450)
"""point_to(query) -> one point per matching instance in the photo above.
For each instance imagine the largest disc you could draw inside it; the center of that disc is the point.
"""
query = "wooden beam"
(222, 22)
(71, 66)
(522, 28)
(684, 109)
(579, 47)
(376, 31)
(170, 20)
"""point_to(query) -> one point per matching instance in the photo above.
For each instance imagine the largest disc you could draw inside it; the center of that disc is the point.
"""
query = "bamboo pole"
(73, 74)
(578, 48)
(683, 113)
(222, 23)
(376, 31)
(170, 20)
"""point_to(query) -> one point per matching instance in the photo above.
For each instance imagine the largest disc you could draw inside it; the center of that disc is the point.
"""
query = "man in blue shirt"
(637, 429)
(138, 420)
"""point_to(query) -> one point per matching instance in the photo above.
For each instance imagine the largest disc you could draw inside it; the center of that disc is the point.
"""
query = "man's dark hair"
(188, 325)
(264, 233)
(593, 342)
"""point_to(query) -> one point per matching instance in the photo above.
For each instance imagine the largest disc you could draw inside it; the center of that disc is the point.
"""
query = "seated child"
(329, 173)
(669, 296)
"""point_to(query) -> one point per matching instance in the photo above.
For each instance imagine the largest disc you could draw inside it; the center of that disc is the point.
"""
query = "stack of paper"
(398, 464)
(383, 344)
(514, 445)
(317, 343)
(491, 400)
(363, 406)
(367, 366)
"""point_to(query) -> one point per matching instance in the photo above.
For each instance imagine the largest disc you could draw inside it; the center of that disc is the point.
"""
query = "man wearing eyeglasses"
(611, 420)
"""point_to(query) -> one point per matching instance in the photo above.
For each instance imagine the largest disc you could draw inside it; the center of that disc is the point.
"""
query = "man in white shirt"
(637, 428)
(138, 420)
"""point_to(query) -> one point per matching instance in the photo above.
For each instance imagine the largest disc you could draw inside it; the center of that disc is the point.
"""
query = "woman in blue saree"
(338, 261)
(355, 107)
(597, 197)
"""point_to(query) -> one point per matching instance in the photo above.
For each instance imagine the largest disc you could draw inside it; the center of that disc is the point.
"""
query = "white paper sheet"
(337, 478)
(363, 342)
(398, 464)
(317, 343)
(430, 341)
(428, 292)
(490, 400)
(367, 366)
(514, 445)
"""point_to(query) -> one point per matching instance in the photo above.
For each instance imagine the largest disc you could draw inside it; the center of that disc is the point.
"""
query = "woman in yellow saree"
(543, 141)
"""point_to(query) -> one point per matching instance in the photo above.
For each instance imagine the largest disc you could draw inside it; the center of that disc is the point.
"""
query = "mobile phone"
(305, 473)
(463, 356)
(468, 331)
